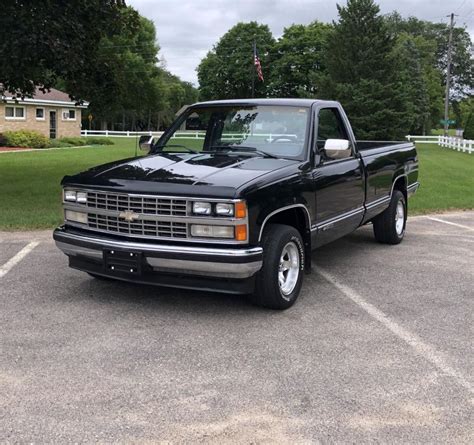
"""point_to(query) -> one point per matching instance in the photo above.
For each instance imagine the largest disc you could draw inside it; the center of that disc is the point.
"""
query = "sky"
(188, 29)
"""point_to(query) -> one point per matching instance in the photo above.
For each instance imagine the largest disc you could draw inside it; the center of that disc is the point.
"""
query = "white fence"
(465, 145)
(424, 139)
(459, 144)
(119, 134)
(180, 134)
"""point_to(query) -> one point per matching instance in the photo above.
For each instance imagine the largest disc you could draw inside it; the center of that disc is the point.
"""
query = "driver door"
(338, 182)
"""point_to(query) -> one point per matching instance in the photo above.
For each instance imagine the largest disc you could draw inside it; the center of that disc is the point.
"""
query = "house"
(51, 113)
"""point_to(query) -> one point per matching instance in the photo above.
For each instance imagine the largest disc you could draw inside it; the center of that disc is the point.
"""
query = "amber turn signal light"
(240, 209)
(241, 232)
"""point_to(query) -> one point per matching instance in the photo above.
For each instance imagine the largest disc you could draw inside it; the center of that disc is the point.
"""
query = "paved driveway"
(378, 348)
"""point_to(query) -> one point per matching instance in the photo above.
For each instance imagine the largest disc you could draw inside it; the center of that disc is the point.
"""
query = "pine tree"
(361, 72)
(412, 85)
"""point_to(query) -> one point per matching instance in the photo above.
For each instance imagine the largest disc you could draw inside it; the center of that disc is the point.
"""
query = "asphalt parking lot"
(377, 349)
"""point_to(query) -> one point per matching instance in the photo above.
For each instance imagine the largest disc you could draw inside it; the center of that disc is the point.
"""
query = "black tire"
(268, 292)
(385, 224)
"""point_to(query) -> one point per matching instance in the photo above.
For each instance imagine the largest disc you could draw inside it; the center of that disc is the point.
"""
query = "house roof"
(52, 97)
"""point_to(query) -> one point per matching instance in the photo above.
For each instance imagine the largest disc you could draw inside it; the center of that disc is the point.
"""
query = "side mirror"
(337, 148)
(145, 142)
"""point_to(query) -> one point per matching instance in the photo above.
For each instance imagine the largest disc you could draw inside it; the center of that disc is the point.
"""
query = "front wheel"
(389, 226)
(279, 281)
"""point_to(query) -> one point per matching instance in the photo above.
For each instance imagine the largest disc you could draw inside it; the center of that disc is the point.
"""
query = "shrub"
(469, 127)
(25, 138)
(77, 142)
(58, 143)
(99, 141)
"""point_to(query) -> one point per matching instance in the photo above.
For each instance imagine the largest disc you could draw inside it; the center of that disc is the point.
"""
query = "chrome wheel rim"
(289, 268)
(400, 217)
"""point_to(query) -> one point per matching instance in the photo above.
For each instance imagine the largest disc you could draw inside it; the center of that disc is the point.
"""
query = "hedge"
(34, 139)
(25, 138)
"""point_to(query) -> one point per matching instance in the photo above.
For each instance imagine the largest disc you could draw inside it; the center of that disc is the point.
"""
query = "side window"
(330, 126)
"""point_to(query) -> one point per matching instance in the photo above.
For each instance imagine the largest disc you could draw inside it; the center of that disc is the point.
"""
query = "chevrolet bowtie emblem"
(128, 215)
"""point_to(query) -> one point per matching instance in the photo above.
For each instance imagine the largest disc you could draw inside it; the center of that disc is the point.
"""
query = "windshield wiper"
(190, 150)
(246, 148)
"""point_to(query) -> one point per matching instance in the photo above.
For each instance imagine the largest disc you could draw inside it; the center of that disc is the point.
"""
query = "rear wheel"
(279, 282)
(389, 226)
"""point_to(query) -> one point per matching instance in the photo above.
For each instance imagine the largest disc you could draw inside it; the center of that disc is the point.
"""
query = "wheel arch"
(400, 183)
(294, 215)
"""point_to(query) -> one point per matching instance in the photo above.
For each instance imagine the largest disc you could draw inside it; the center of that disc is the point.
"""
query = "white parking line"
(450, 223)
(422, 348)
(17, 258)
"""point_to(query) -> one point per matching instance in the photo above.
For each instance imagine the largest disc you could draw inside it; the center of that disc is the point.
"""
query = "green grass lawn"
(447, 180)
(440, 132)
(30, 196)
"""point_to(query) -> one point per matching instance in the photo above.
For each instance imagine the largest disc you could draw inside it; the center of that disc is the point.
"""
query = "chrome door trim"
(377, 202)
(329, 222)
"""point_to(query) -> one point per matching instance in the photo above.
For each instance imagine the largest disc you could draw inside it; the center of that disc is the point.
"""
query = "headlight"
(224, 209)
(202, 208)
(81, 197)
(204, 231)
(75, 196)
(70, 195)
(79, 217)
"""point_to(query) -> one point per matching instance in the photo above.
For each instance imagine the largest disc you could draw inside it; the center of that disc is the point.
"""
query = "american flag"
(258, 65)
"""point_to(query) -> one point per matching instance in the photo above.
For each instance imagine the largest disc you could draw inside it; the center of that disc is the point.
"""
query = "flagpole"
(253, 68)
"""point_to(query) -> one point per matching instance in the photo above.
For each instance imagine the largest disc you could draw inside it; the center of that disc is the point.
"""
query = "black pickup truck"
(234, 196)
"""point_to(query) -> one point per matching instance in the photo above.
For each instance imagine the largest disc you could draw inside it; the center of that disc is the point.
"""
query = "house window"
(14, 112)
(69, 115)
(40, 114)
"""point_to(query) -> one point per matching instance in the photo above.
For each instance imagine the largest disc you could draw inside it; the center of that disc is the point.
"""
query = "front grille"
(145, 205)
(162, 229)
(144, 216)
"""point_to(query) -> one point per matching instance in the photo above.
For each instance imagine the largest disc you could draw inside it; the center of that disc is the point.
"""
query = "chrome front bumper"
(233, 263)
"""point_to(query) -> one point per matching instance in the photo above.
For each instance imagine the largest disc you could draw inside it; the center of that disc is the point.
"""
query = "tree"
(43, 41)
(228, 69)
(125, 81)
(176, 94)
(129, 90)
(462, 69)
(296, 60)
(412, 84)
(360, 72)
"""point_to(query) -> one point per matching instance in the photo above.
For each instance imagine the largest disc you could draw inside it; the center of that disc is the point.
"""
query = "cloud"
(187, 29)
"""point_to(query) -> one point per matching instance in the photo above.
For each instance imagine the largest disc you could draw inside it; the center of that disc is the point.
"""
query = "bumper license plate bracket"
(123, 261)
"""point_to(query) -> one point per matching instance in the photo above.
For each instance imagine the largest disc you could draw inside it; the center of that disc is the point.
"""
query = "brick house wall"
(64, 128)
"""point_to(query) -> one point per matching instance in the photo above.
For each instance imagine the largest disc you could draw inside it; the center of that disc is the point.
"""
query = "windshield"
(279, 131)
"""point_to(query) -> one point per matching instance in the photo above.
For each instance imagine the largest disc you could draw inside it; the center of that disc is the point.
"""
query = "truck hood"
(174, 173)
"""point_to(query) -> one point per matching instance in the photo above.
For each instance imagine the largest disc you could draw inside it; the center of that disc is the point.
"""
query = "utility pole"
(448, 76)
